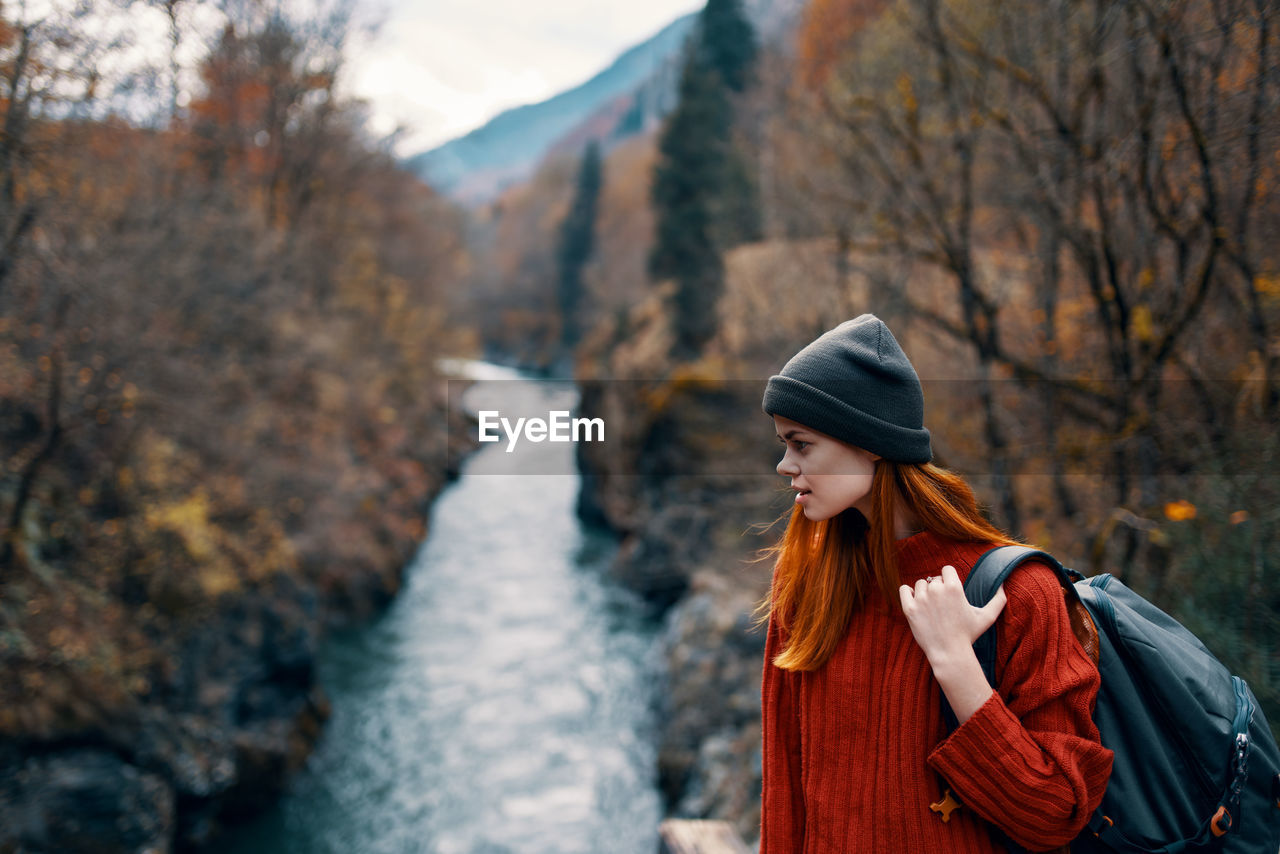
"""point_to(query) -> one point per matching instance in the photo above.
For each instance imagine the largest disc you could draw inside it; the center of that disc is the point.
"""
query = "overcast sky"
(445, 67)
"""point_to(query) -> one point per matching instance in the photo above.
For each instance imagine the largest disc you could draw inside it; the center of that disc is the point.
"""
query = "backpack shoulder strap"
(991, 570)
(995, 565)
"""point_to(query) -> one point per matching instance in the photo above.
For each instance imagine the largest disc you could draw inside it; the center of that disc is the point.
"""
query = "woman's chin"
(814, 514)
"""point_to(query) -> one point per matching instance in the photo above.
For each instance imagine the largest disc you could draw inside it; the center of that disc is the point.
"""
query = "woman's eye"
(800, 446)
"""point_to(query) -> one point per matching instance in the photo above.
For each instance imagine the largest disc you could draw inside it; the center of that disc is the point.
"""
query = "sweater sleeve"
(782, 798)
(1030, 760)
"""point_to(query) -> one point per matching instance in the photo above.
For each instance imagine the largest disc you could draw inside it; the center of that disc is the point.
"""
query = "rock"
(725, 779)
(84, 800)
(711, 707)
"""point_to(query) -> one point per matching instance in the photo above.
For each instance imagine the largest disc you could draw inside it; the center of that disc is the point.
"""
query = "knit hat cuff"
(813, 407)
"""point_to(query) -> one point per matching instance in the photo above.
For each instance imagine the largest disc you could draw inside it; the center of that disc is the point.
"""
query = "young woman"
(869, 628)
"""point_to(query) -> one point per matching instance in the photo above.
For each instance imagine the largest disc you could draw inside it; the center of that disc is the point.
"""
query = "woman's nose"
(786, 467)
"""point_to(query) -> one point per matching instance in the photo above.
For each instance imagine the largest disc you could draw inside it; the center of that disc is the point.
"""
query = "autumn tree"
(50, 76)
(268, 94)
(1079, 195)
(1133, 183)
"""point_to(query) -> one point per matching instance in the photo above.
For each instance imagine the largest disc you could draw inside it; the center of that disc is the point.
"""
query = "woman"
(869, 629)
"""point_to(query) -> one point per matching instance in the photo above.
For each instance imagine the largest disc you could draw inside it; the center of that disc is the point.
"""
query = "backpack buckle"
(1221, 822)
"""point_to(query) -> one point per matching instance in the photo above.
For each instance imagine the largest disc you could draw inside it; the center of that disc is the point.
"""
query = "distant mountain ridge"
(629, 97)
(476, 167)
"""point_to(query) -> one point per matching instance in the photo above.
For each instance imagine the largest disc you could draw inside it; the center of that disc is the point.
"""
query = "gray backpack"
(1196, 766)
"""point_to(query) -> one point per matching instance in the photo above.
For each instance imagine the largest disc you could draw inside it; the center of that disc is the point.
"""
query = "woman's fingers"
(908, 596)
(936, 606)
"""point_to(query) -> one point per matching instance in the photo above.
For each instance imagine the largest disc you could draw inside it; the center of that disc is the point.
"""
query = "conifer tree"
(577, 242)
(727, 43)
(703, 196)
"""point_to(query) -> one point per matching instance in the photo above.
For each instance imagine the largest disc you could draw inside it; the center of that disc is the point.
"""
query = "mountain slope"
(477, 166)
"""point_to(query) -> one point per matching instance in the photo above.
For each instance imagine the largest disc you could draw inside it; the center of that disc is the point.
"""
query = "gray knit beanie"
(856, 384)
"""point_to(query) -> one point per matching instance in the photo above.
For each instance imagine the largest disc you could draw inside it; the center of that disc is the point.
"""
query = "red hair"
(825, 571)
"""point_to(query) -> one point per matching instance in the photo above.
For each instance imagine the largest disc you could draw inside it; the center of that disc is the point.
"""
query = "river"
(503, 703)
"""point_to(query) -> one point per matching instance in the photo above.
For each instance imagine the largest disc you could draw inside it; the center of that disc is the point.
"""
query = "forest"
(221, 424)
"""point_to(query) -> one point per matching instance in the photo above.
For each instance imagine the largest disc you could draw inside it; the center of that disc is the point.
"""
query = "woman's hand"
(945, 626)
(941, 618)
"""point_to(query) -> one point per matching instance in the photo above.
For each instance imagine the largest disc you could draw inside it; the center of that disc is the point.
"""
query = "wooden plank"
(687, 836)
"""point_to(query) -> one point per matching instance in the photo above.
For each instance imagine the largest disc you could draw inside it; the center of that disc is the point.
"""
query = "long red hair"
(825, 571)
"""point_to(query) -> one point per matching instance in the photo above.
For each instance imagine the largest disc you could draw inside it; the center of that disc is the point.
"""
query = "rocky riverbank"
(147, 714)
(685, 550)
(686, 479)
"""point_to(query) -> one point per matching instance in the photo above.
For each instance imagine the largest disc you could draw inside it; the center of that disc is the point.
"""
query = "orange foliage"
(229, 409)
(827, 33)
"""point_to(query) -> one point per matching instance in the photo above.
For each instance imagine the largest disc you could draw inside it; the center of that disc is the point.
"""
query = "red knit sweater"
(853, 750)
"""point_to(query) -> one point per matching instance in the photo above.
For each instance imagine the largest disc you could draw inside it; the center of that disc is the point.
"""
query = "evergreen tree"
(703, 196)
(577, 242)
(727, 43)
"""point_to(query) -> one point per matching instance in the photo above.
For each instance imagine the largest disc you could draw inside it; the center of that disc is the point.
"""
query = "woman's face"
(828, 475)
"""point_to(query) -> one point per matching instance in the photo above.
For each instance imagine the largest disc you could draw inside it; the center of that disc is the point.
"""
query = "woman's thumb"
(987, 613)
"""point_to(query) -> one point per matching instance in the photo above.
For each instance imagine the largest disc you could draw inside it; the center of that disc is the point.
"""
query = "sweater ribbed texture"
(853, 751)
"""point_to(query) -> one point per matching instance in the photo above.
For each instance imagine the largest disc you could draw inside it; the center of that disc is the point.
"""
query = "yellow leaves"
(1143, 325)
(216, 579)
(1179, 511)
(189, 519)
(224, 555)
(1267, 284)
(691, 378)
(907, 93)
